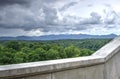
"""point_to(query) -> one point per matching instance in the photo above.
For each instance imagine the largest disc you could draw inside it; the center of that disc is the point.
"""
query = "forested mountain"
(12, 52)
(58, 37)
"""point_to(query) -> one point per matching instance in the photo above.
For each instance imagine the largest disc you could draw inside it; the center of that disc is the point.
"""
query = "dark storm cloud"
(66, 6)
(109, 20)
(37, 15)
(94, 19)
(42, 14)
(11, 2)
(111, 16)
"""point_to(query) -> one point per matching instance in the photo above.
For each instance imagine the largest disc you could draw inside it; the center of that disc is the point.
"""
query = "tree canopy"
(12, 52)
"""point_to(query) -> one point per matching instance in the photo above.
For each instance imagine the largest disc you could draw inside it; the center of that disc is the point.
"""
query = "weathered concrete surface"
(92, 72)
(26, 69)
(44, 76)
(111, 55)
(103, 64)
(112, 67)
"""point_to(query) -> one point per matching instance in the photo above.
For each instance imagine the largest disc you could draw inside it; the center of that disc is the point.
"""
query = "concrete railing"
(103, 64)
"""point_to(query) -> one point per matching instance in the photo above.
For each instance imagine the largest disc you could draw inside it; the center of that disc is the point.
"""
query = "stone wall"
(103, 64)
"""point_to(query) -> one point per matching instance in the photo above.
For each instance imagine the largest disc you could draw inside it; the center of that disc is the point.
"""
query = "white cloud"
(43, 17)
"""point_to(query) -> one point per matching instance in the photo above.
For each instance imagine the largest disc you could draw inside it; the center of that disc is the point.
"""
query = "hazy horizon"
(62, 34)
(48, 17)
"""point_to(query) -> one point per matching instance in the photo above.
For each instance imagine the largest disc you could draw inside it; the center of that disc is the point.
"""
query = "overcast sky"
(44, 17)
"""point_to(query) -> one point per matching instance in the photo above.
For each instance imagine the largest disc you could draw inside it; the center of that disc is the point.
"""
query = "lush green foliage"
(12, 52)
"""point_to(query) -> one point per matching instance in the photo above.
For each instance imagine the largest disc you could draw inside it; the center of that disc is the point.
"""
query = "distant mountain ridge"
(60, 37)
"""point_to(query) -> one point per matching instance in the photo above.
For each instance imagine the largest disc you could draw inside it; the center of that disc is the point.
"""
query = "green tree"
(72, 51)
(86, 52)
(46, 47)
(52, 54)
(39, 54)
(26, 50)
(1, 47)
(20, 57)
(32, 57)
(31, 51)
(6, 58)
(62, 52)
(14, 45)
